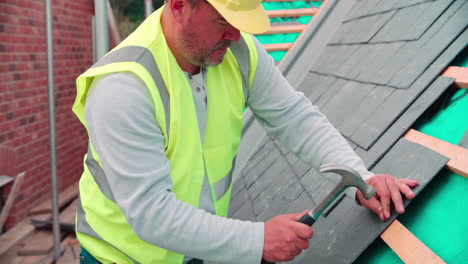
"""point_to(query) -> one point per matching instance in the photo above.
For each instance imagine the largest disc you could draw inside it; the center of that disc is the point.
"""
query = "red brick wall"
(24, 122)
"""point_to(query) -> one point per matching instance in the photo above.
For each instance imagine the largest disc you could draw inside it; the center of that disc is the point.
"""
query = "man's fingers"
(406, 190)
(393, 186)
(302, 244)
(384, 194)
(374, 205)
(410, 183)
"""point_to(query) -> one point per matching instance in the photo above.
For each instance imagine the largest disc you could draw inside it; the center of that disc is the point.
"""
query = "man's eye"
(223, 22)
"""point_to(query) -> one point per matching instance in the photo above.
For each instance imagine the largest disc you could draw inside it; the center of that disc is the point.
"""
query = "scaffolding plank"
(65, 197)
(14, 235)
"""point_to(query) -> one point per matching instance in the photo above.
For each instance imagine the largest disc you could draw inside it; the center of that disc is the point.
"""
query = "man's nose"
(232, 34)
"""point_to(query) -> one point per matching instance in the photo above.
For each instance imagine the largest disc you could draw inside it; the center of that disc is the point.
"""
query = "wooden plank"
(39, 243)
(292, 12)
(458, 162)
(65, 197)
(67, 216)
(459, 73)
(11, 198)
(408, 247)
(281, 29)
(14, 235)
(277, 47)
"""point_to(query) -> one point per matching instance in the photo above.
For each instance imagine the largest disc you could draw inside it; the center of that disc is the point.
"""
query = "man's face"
(206, 35)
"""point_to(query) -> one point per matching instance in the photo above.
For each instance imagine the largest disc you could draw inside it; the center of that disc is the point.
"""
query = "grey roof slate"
(372, 67)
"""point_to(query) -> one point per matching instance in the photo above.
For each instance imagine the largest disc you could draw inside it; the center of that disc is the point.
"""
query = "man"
(163, 112)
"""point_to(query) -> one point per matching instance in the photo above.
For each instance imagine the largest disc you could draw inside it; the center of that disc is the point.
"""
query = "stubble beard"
(196, 52)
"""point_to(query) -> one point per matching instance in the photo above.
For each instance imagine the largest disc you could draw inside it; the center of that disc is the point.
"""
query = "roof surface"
(376, 73)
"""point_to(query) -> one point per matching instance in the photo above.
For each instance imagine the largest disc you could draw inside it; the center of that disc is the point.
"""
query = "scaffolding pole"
(53, 156)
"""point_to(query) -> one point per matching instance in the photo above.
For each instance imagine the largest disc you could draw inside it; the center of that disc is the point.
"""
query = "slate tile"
(347, 67)
(348, 230)
(282, 149)
(411, 49)
(343, 104)
(271, 176)
(260, 153)
(405, 3)
(238, 200)
(384, 116)
(415, 20)
(237, 186)
(351, 144)
(245, 213)
(326, 56)
(271, 190)
(258, 168)
(315, 91)
(361, 30)
(312, 181)
(384, 6)
(300, 168)
(287, 195)
(303, 202)
(433, 48)
(369, 104)
(291, 158)
(464, 140)
(378, 57)
(362, 8)
(405, 121)
(330, 92)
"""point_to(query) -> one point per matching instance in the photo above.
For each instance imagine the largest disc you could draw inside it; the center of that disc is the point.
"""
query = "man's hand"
(285, 238)
(387, 189)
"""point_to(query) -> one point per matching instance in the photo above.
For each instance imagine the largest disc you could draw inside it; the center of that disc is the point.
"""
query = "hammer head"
(349, 177)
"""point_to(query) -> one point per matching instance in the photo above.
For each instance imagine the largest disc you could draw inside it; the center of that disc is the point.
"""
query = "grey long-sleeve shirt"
(122, 127)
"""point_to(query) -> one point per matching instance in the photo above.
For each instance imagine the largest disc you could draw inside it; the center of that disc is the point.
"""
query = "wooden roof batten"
(459, 73)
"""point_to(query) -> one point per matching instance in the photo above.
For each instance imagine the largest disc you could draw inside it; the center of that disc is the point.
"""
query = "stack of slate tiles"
(377, 74)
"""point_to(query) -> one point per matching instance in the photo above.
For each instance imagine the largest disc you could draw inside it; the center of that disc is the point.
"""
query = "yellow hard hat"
(245, 15)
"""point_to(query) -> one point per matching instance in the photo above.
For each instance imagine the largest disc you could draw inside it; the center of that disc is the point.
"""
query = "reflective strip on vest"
(144, 57)
(84, 228)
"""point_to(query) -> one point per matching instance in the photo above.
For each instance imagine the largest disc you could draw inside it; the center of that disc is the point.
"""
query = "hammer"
(349, 177)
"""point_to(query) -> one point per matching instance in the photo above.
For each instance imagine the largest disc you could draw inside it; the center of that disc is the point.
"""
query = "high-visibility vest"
(101, 226)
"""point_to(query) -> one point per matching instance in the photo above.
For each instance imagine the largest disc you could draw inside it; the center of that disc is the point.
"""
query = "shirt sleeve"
(124, 132)
(290, 117)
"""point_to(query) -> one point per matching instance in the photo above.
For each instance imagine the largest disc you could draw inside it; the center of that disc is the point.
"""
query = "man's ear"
(177, 8)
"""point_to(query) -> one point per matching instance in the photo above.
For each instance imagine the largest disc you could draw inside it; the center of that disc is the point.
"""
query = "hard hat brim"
(254, 21)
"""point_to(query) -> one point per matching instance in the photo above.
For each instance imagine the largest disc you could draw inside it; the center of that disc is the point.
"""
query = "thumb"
(297, 216)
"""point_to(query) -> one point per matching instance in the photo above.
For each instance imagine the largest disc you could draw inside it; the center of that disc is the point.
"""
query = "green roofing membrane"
(285, 38)
(438, 215)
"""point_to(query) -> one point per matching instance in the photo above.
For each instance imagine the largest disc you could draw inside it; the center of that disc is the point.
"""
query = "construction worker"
(163, 111)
